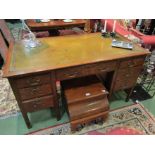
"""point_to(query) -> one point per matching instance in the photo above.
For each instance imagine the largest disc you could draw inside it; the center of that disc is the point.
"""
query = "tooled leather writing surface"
(67, 51)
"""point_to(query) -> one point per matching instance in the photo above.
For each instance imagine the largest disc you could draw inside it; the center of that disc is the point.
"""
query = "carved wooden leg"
(99, 121)
(79, 127)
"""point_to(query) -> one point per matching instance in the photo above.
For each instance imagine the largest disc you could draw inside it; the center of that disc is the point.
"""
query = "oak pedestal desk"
(33, 73)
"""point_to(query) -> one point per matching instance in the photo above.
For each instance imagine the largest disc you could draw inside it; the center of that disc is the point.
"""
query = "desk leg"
(56, 101)
(58, 115)
(27, 121)
(129, 94)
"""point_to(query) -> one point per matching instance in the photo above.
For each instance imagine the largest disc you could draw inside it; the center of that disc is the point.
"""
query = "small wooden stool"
(86, 101)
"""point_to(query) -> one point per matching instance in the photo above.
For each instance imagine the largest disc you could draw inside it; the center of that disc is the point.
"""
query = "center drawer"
(39, 103)
(69, 73)
(89, 69)
(100, 67)
(34, 92)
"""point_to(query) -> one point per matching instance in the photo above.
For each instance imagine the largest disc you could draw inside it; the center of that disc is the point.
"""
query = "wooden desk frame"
(122, 74)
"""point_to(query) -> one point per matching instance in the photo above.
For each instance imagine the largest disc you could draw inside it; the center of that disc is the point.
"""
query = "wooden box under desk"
(86, 99)
(33, 74)
(86, 89)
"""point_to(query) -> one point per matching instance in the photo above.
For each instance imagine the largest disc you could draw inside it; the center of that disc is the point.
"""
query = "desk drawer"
(127, 78)
(33, 80)
(89, 69)
(128, 73)
(38, 104)
(132, 62)
(36, 91)
(69, 73)
(85, 109)
(100, 67)
(125, 84)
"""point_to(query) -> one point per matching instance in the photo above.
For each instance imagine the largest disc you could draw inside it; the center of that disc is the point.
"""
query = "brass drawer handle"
(102, 69)
(37, 102)
(131, 63)
(34, 106)
(127, 75)
(34, 81)
(34, 90)
(87, 94)
(72, 75)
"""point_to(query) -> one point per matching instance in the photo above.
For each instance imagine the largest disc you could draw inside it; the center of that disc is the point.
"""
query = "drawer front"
(128, 73)
(99, 67)
(132, 62)
(85, 109)
(69, 73)
(121, 85)
(33, 80)
(34, 92)
(38, 104)
(89, 69)
(127, 78)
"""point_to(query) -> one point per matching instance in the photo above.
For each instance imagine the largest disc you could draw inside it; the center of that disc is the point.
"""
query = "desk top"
(65, 51)
(53, 23)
